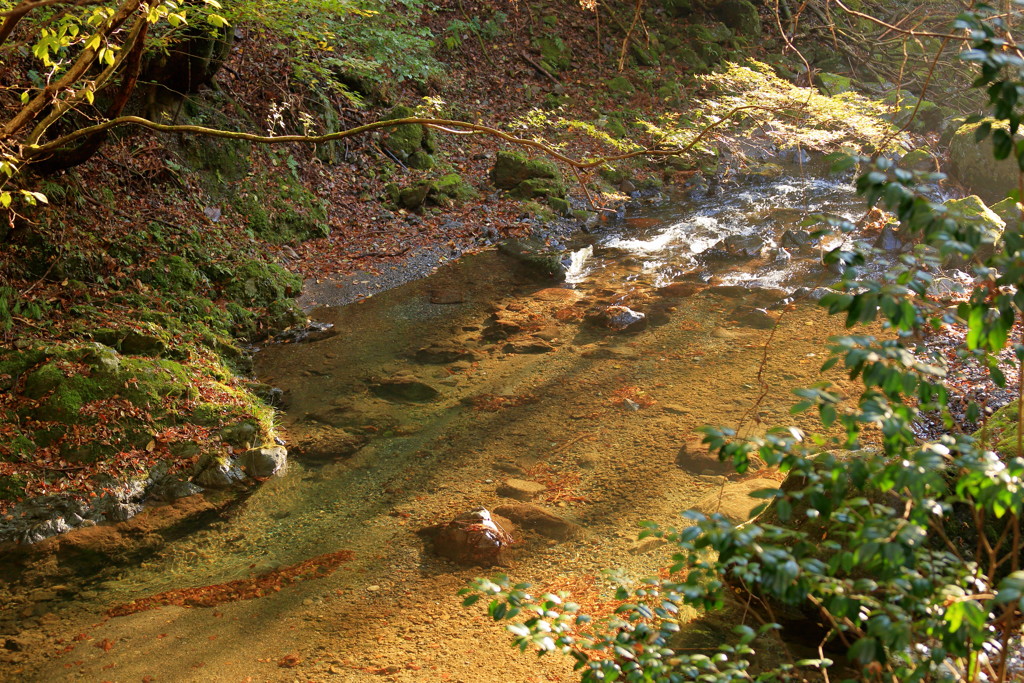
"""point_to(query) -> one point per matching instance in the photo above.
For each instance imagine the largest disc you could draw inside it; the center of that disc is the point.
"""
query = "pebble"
(373, 589)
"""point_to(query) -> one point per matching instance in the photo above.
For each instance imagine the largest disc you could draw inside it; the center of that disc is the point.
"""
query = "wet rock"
(799, 240)
(555, 294)
(975, 167)
(538, 519)
(756, 318)
(242, 434)
(473, 538)
(171, 489)
(264, 462)
(536, 255)
(729, 291)
(442, 354)
(521, 489)
(311, 332)
(733, 499)
(889, 240)
(509, 468)
(528, 346)
(219, 473)
(403, 389)
(329, 445)
(623, 319)
(696, 459)
(741, 246)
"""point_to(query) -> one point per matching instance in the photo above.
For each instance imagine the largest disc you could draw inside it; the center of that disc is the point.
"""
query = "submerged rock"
(538, 519)
(403, 389)
(623, 319)
(264, 462)
(442, 354)
(521, 489)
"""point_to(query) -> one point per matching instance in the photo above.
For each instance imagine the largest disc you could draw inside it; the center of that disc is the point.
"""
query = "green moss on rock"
(258, 283)
(620, 86)
(975, 167)
(739, 15)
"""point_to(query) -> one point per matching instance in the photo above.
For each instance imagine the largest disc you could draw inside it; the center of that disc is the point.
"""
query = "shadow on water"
(539, 386)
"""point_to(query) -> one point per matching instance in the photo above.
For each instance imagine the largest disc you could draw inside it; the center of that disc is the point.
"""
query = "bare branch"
(31, 152)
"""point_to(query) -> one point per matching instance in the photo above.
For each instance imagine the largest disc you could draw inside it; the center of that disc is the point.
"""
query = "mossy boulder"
(739, 15)
(678, 8)
(454, 187)
(919, 159)
(1009, 211)
(282, 212)
(620, 86)
(527, 177)
(1002, 430)
(413, 143)
(974, 166)
(833, 84)
(973, 210)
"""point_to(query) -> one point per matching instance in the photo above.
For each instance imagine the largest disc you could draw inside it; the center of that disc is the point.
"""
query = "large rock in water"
(975, 167)
(264, 462)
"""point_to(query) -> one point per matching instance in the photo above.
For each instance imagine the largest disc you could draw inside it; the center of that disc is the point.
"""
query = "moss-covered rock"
(739, 15)
(527, 177)
(620, 86)
(1002, 430)
(833, 84)
(973, 210)
(413, 143)
(535, 255)
(454, 187)
(1009, 211)
(975, 167)
(919, 159)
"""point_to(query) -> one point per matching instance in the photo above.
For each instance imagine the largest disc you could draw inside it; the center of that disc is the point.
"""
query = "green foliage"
(488, 30)
(351, 47)
(911, 553)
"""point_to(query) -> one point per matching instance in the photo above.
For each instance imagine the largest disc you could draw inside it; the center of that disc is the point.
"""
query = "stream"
(422, 402)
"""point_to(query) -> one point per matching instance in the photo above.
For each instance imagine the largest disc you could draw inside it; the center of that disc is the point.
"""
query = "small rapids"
(757, 236)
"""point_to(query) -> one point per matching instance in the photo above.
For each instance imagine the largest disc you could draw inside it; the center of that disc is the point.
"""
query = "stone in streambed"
(264, 462)
(528, 346)
(442, 354)
(521, 489)
(403, 389)
(538, 519)
(219, 473)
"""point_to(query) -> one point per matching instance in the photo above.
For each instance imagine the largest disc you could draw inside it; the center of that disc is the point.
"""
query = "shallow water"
(547, 395)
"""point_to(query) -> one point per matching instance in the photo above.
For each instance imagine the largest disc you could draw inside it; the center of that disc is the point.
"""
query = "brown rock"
(521, 489)
(538, 519)
(556, 294)
(475, 537)
(441, 354)
(528, 346)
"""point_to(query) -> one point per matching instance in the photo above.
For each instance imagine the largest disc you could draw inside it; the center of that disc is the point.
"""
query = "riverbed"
(423, 402)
